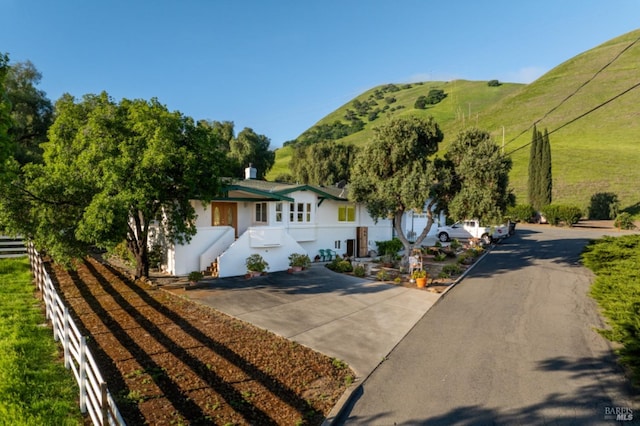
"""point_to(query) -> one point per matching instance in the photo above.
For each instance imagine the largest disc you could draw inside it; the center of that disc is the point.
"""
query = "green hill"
(589, 104)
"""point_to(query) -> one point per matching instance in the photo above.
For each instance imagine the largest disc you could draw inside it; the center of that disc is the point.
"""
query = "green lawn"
(35, 388)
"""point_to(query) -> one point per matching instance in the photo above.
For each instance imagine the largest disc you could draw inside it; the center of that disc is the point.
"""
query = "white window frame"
(261, 213)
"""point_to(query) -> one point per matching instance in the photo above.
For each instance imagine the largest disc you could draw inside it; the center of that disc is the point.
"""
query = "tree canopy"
(5, 114)
(481, 175)
(325, 163)
(246, 148)
(31, 112)
(396, 173)
(110, 171)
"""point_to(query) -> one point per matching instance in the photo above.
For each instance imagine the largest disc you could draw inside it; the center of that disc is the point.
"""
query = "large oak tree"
(397, 173)
(481, 172)
(110, 171)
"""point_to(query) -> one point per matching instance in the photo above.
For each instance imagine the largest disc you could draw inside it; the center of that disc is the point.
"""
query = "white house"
(274, 220)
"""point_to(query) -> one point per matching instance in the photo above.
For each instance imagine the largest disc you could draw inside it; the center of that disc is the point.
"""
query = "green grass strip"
(616, 263)
(35, 388)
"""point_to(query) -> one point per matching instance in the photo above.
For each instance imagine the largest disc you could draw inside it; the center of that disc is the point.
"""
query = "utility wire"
(615, 58)
(635, 86)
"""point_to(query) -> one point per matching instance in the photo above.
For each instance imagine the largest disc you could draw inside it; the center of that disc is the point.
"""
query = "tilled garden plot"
(170, 361)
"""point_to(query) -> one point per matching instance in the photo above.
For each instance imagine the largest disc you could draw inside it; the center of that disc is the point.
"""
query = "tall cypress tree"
(546, 182)
(534, 170)
(540, 179)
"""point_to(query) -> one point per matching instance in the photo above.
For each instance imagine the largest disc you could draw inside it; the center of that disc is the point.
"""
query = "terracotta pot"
(421, 282)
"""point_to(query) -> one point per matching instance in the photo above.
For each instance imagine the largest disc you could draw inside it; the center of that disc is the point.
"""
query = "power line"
(583, 114)
(590, 79)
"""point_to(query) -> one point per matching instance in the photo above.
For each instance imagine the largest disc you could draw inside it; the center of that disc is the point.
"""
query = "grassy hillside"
(596, 153)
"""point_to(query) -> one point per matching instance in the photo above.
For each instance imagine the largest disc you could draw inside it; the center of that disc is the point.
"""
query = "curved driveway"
(513, 344)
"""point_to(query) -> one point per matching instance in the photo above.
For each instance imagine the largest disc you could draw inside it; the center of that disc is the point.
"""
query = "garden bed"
(168, 360)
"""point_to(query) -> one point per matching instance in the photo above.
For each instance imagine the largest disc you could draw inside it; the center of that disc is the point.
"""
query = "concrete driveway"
(356, 320)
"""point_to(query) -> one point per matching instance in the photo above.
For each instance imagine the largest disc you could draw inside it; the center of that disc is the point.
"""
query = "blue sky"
(280, 66)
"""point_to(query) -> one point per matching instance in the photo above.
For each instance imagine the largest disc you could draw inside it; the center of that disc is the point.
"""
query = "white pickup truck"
(472, 229)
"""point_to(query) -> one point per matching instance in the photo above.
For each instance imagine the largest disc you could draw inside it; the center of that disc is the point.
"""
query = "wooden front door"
(225, 214)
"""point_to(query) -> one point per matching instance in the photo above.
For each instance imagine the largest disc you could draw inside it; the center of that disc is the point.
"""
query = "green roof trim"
(267, 195)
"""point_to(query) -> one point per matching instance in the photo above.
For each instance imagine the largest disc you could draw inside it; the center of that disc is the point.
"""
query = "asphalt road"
(512, 344)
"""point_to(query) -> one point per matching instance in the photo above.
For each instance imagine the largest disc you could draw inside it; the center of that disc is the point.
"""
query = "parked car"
(472, 229)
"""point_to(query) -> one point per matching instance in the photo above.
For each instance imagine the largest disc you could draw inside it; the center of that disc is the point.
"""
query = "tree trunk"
(142, 262)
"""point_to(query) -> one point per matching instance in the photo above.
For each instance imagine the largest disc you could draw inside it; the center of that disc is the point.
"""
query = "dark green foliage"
(392, 246)
(521, 212)
(624, 221)
(546, 179)
(373, 115)
(603, 206)
(327, 132)
(570, 215)
(615, 263)
(359, 271)
(540, 176)
(110, 171)
(421, 102)
(322, 163)
(451, 269)
(6, 149)
(552, 214)
(435, 95)
(481, 177)
(251, 148)
(493, 83)
(31, 112)
(559, 213)
(340, 265)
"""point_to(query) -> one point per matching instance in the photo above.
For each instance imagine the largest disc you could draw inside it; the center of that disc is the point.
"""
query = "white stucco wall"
(186, 258)
(232, 262)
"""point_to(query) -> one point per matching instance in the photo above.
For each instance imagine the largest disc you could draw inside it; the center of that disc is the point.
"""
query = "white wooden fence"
(12, 247)
(94, 395)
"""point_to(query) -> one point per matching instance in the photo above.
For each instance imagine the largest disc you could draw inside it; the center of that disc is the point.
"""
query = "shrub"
(359, 271)
(195, 276)
(521, 212)
(552, 214)
(440, 257)
(455, 244)
(614, 261)
(123, 253)
(340, 265)
(556, 213)
(421, 103)
(493, 83)
(382, 275)
(299, 259)
(389, 247)
(435, 95)
(603, 206)
(444, 274)
(624, 221)
(570, 215)
(452, 269)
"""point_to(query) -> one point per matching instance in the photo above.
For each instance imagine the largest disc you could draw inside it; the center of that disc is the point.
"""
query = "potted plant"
(298, 261)
(420, 275)
(256, 265)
